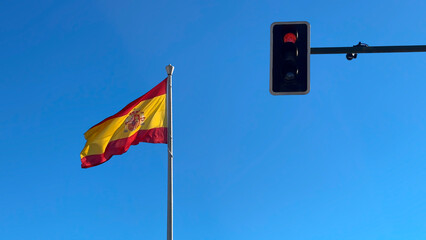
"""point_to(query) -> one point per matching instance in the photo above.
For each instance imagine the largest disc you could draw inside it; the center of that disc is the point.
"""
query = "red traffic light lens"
(290, 37)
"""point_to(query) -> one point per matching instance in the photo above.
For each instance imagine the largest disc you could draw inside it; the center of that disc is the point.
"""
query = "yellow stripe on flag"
(99, 136)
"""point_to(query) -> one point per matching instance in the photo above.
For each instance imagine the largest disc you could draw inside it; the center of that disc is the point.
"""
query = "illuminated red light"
(290, 37)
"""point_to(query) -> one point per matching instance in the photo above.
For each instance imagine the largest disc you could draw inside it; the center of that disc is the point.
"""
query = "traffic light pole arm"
(368, 49)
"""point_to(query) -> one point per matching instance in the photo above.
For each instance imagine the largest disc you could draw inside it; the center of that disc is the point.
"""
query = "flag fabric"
(143, 120)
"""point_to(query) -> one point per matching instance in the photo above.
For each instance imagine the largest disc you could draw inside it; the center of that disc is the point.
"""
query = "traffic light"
(290, 51)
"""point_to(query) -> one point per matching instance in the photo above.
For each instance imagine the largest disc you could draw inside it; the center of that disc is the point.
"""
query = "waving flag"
(143, 120)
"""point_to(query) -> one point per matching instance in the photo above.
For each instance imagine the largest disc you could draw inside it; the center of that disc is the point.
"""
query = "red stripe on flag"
(120, 146)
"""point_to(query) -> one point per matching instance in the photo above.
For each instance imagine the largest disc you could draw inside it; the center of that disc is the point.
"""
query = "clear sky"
(345, 162)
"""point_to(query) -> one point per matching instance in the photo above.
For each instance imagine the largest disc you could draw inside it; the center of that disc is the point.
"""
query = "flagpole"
(169, 70)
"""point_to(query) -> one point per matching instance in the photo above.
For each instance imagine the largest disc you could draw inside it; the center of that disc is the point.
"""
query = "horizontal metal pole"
(377, 49)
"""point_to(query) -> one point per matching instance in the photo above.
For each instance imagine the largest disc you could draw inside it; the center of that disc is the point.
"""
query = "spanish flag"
(143, 120)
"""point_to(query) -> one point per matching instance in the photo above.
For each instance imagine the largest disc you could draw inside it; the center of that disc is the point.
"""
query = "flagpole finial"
(170, 69)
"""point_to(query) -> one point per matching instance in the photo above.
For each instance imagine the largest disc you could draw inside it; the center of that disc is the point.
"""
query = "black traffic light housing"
(290, 52)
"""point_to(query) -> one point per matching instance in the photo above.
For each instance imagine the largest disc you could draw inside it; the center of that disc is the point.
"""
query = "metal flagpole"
(169, 70)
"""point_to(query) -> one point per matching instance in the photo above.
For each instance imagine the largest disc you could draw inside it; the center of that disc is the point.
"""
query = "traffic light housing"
(290, 51)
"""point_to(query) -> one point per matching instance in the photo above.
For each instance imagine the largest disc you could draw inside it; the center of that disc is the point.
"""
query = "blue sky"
(346, 161)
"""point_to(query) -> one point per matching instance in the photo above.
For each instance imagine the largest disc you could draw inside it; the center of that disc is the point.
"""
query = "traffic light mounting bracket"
(351, 52)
